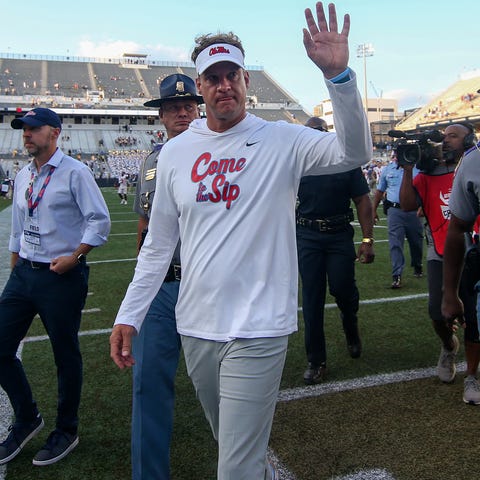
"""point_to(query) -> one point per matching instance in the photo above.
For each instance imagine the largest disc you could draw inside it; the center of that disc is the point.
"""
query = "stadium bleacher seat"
(460, 101)
(93, 126)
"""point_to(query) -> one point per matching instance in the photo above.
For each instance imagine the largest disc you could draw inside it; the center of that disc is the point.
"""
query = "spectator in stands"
(326, 253)
(228, 188)
(157, 345)
(400, 224)
(431, 190)
(127, 161)
(58, 216)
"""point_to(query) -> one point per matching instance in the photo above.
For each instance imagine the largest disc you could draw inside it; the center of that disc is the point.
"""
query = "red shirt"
(434, 192)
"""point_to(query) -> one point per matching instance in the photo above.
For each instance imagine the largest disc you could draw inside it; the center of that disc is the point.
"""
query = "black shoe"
(418, 272)
(314, 374)
(17, 438)
(354, 344)
(397, 281)
(355, 349)
(59, 444)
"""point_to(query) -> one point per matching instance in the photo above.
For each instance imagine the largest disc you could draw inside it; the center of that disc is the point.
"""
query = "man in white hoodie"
(229, 185)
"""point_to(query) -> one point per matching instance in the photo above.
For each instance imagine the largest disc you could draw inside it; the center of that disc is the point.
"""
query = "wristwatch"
(80, 257)
(368, 240)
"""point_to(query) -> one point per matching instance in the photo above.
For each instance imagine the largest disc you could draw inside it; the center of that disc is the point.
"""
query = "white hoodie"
(230, 197)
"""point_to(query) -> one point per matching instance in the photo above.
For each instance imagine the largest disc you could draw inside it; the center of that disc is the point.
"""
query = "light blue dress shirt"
(72, 210)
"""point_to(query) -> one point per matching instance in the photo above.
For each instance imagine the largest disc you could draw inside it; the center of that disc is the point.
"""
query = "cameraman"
(431, 190)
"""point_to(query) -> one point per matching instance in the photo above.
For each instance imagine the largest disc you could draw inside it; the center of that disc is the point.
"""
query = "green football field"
(382, 416)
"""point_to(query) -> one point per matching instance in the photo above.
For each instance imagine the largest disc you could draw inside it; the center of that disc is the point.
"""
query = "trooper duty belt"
(174, 273)
(335, 223)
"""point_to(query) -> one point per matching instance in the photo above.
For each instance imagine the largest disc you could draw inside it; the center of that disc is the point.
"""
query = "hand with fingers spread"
(327, 48)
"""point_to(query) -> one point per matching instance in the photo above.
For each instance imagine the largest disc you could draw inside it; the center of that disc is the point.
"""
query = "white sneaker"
(471, 390)
(446, 368)
(272, 472)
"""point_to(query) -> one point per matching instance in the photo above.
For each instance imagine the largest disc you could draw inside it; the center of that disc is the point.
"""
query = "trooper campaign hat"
(176, 87)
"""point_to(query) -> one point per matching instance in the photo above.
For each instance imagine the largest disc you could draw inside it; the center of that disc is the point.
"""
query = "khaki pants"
(237, 384)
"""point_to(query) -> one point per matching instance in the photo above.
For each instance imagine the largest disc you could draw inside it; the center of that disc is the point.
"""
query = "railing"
(111, 61)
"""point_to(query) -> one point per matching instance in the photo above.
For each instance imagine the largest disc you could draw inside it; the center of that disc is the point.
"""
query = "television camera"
(424, 149)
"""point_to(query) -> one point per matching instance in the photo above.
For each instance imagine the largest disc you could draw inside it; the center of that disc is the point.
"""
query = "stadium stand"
(118, 82)
(67, 78)
(70, 79)
(21, 77)
(266, 90)
(460, 101)
(101, 101)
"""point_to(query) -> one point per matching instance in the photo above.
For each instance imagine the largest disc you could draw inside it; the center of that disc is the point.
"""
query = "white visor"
(218, 52)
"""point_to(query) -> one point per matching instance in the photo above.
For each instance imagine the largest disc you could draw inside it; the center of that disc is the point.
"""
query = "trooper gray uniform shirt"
(145, 191)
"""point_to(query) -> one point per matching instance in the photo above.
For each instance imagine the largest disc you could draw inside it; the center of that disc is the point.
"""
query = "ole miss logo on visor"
(218, 49)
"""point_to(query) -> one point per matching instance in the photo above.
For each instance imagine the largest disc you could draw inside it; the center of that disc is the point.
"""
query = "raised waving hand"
(327, 48)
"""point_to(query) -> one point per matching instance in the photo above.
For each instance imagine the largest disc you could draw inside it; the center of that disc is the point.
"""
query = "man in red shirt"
(431, 190)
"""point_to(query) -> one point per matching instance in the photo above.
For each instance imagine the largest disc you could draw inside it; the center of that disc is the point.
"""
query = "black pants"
(59, 300)
(468, 297)
(323, 256)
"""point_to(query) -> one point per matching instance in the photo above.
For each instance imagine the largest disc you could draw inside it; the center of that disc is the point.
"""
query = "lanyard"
(33, 206)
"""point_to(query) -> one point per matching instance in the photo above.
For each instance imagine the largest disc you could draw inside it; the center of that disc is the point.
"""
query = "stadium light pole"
(363, 51)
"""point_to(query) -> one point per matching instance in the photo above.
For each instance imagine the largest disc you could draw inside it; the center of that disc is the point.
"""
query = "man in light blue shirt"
(400, 224)
(58, 216)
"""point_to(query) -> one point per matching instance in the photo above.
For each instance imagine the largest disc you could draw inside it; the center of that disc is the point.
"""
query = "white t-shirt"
(230, 197)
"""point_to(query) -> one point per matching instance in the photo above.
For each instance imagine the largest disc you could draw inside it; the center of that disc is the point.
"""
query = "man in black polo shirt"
(326, 250)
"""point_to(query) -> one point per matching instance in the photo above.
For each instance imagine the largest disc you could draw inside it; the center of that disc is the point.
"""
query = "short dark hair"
(317, 123)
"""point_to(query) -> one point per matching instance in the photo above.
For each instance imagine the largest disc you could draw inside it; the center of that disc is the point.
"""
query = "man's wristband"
(368, 240)
(342, 77)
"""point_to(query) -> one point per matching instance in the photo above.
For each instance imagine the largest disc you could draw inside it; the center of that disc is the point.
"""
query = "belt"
(393, 204)
(174, 273)
(332, 224)
(33, 265)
